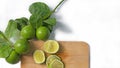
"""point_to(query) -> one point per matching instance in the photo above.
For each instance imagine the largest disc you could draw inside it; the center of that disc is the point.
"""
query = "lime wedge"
(51, 58)
(39, 56)
(56, 64)
(51, 46)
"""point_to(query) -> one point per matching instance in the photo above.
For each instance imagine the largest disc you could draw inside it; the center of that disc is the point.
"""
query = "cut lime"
(39, 56)
(51, 58)
(51, 46)
(56, 64)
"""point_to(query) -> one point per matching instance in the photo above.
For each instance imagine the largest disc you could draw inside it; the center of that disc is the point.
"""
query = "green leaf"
(40, 8)
(21, 22)
(50, 27)
(5, 46)
(51, 21)
(5, 49)
(25, 20)
(11, 32)
(2, 37)
(35, 21)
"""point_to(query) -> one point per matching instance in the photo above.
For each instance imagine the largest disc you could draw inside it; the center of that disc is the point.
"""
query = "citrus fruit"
(56, 64)
(28, 32)
(51, 46)
(42, 33)
(22, 46)
(51, 58)
(13, 58)
(39, 56)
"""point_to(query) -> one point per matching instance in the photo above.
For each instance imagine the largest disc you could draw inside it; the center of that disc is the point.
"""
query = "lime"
(13, 58)
(28, 32)
(51, 58)
(42, 33)
(51, 46)
(39, 56)
(56, 64)
(22, 46)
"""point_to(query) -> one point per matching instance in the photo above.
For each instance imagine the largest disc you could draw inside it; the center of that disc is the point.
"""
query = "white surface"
(95, 21)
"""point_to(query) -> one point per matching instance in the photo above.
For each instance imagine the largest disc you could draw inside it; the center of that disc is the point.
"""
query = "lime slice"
(39, 56)
(56, 64)
(51, 46)
(51, 58)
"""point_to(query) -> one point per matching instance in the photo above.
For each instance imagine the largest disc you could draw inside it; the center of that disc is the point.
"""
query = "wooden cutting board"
(73, 54)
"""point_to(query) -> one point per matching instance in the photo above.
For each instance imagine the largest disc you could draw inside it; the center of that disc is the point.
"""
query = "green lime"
(22, 46)
(42, 33)
(51, 58)
(39, 56)
(28, 32)
(51, 46)
(13, 58)
(56, 64)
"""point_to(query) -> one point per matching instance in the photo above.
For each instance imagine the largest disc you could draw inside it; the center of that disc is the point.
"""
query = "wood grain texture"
(73, 54)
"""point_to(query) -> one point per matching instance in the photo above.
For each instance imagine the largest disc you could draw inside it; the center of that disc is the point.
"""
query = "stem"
(57, 6)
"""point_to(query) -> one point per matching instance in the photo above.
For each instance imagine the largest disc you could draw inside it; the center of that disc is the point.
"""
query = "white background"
(96, 22)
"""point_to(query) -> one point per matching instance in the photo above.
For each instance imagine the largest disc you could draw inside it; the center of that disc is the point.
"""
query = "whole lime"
(22, 46)
(28, 32)
(42, 33)
(13, 58)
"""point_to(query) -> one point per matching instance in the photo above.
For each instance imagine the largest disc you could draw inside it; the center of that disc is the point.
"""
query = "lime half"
(51, 46)
(56, 64)
(39, 56)
(51, 58)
